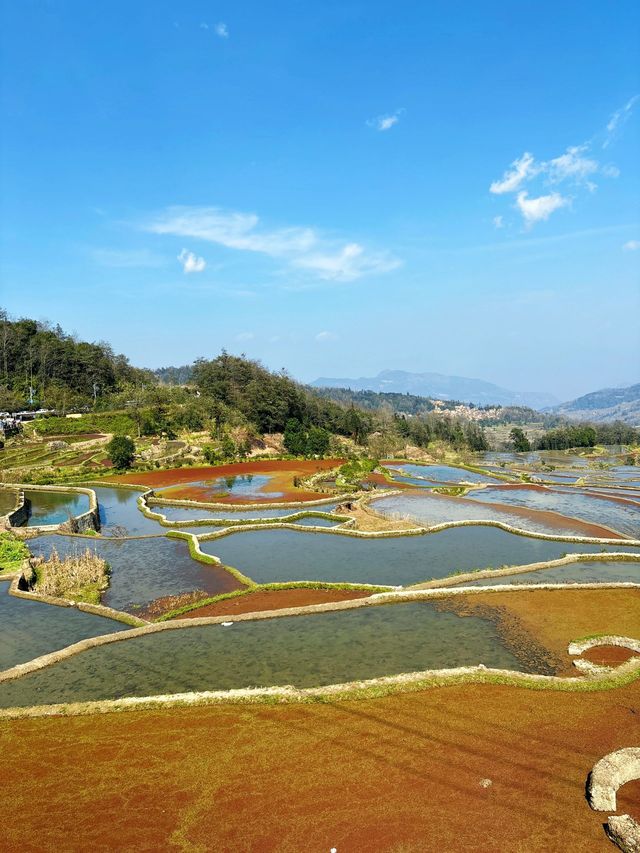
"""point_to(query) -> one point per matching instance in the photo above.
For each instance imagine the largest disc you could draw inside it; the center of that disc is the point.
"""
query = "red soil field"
(402, 773)
(608, 655)
(276, 599)
(283, 471)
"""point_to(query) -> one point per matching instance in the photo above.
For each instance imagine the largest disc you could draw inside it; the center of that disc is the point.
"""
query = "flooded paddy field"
(142, 569)
(438, 473)
(588, 572)
(241, 482)
(54, 507)
(269, 556)
(303, 651)
(431, 509)
(119, 513)
(615, 514)
(29, 629)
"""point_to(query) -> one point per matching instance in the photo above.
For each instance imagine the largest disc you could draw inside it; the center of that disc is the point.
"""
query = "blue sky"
(335, 188)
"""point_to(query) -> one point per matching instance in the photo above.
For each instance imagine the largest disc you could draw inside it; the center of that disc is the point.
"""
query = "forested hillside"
(39, 361)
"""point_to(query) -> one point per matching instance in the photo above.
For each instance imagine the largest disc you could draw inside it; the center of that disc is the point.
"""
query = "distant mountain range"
(609, 404)
(441, 387)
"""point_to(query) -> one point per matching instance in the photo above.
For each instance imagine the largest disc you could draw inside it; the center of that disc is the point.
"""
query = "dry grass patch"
(80, 577)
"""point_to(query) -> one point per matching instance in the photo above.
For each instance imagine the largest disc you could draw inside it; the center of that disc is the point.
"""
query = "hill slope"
(441, 387)
(608, 404)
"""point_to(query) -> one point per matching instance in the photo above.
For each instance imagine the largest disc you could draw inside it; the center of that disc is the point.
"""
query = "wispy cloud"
(385, 122)
(323, 337)
(127, 258)
(498, 222)
(631, 246)
(222, 30)
(618, 119)
(245, 336)
(538, 209)
(190, 262)
(299, 248)
(521, 170)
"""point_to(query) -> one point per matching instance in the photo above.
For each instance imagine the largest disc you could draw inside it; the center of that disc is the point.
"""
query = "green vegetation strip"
(13, 552)
(197, 554)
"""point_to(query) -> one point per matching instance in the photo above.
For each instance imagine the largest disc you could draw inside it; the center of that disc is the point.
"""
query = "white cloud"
(576, 166)
(190, 262)
(300, 248)
(572, 165)
(245, 336)
(521, 170)
(631, 246)
(618, 119)
(498, 222)
(385, 122)
(540, 208)
(222, 30)
(321, 337)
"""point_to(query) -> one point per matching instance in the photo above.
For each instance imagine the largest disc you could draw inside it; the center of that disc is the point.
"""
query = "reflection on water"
(246, 486)
(119, 509)
(304, 651)
(55, 507)
(431, 509)
(624, 518)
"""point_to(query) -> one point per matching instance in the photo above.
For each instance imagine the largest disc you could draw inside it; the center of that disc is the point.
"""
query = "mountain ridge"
(606, 404)
(441, 386)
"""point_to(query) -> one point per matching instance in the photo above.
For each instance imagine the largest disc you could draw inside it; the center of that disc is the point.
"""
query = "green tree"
(521, 443)
(121, 451)
(294, 438)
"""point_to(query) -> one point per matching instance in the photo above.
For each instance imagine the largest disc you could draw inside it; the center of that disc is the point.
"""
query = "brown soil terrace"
(283, 472)
(276, 599)
(609, 655)
(397, 774)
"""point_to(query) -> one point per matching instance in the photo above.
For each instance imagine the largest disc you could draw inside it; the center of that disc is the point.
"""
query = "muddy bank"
(556, 617)
(512, 631)
(254, 602)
